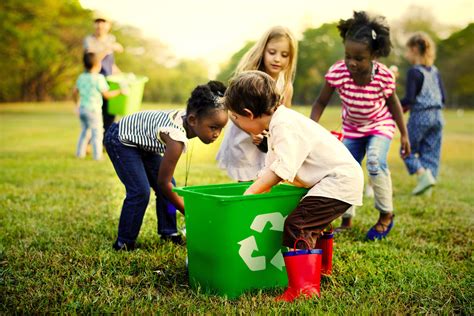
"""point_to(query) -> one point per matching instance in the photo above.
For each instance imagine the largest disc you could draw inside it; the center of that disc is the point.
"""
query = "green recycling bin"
(132, 101)
(234, 241)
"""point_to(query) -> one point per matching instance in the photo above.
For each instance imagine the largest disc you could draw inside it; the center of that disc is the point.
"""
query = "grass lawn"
(59, 216)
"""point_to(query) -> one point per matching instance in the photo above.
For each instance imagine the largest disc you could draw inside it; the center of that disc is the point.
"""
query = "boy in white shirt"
(301, 152)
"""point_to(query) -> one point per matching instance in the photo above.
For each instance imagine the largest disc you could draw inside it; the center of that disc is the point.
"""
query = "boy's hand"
(250, 191)
(257, 139)
(405, 149)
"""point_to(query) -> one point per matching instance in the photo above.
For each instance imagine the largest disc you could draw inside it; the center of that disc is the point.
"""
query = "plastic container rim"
(187, 191)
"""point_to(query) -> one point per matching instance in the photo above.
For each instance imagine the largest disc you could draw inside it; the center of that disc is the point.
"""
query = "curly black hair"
(373, 31)
(204, 99)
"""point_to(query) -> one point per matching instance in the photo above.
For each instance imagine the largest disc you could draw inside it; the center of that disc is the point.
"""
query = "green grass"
(59, 217)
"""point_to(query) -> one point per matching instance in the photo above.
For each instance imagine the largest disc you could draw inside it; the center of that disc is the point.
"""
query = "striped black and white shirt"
(142, 129)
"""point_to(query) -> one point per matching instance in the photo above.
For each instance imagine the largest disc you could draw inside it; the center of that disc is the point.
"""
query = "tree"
(456, 67)
(41, 47)
(317, 51)
(229, 68)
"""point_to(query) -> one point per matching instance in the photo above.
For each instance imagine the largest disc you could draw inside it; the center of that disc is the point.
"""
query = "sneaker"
(175, 239)
(123, 246)
(373, 234)
(425, 181)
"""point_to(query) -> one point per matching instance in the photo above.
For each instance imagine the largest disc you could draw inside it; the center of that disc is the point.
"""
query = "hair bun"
(217, 87)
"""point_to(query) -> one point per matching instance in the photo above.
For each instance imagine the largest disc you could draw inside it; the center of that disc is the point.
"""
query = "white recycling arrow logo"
(249, 244)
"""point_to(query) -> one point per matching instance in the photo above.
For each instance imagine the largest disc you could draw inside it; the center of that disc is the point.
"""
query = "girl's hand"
(405, 149)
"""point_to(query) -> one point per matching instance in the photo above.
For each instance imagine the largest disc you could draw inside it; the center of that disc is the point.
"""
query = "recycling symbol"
(249, 244)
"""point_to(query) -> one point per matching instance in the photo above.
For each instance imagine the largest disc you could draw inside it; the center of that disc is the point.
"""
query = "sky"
(213, 30)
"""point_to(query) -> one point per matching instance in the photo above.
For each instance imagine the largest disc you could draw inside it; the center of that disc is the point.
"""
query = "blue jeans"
(376, 147)
(90, 121)
(425, 130)
(138, 171)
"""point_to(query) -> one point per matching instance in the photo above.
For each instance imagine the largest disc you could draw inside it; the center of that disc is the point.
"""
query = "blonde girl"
(424, 99)
(274, 53)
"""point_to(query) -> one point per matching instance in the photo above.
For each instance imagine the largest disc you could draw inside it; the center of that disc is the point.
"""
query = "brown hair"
(425, 46)
(89, 60)
(253, 90)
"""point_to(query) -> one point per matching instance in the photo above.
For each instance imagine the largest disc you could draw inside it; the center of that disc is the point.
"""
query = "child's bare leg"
(347, 219)
(383, 222)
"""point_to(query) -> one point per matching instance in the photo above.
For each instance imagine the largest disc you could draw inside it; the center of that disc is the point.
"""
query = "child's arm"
(173, 151)
(103, 87)
(321, 102)
(111, 93)
(395, 108)
(264, 183)
(413, 85)
(75, 97)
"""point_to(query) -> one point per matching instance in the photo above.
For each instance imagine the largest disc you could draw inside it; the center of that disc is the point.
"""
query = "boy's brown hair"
(253, 90)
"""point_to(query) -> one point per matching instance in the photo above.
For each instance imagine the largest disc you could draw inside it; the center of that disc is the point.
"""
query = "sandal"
(373, 234)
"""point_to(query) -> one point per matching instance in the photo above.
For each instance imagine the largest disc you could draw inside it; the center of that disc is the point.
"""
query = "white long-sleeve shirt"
(304, 153)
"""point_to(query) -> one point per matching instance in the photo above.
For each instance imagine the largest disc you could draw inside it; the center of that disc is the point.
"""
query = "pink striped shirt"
(364, 109)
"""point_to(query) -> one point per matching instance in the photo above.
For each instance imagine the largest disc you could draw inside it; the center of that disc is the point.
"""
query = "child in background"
(370, 109)
(275, 53)
(320, 162)
(88, 94)
(424, 98)
(145, 147)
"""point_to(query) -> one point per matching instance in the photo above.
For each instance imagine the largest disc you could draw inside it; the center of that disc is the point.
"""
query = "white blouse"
(238, 155)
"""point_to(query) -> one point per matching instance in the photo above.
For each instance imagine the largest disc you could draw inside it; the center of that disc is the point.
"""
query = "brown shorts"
(312, 215)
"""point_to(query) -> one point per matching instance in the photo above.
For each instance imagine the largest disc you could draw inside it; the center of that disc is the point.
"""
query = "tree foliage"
(456, 66)
(41, 40)
(41, 51)
(42, 46)
(317, 51)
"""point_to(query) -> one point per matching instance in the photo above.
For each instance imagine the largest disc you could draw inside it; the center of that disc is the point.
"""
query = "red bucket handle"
(301, 239)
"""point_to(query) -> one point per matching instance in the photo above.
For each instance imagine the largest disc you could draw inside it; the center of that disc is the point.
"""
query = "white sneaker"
(425, 181)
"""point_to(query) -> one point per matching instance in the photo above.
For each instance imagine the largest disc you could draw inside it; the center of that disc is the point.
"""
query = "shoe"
(123, 246)
(346, 225)
(175, 239)
(304, 274)
(373, 234)
(425, 181)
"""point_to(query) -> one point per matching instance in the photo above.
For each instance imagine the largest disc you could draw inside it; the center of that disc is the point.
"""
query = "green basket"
(234, 241)
(132, 101)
